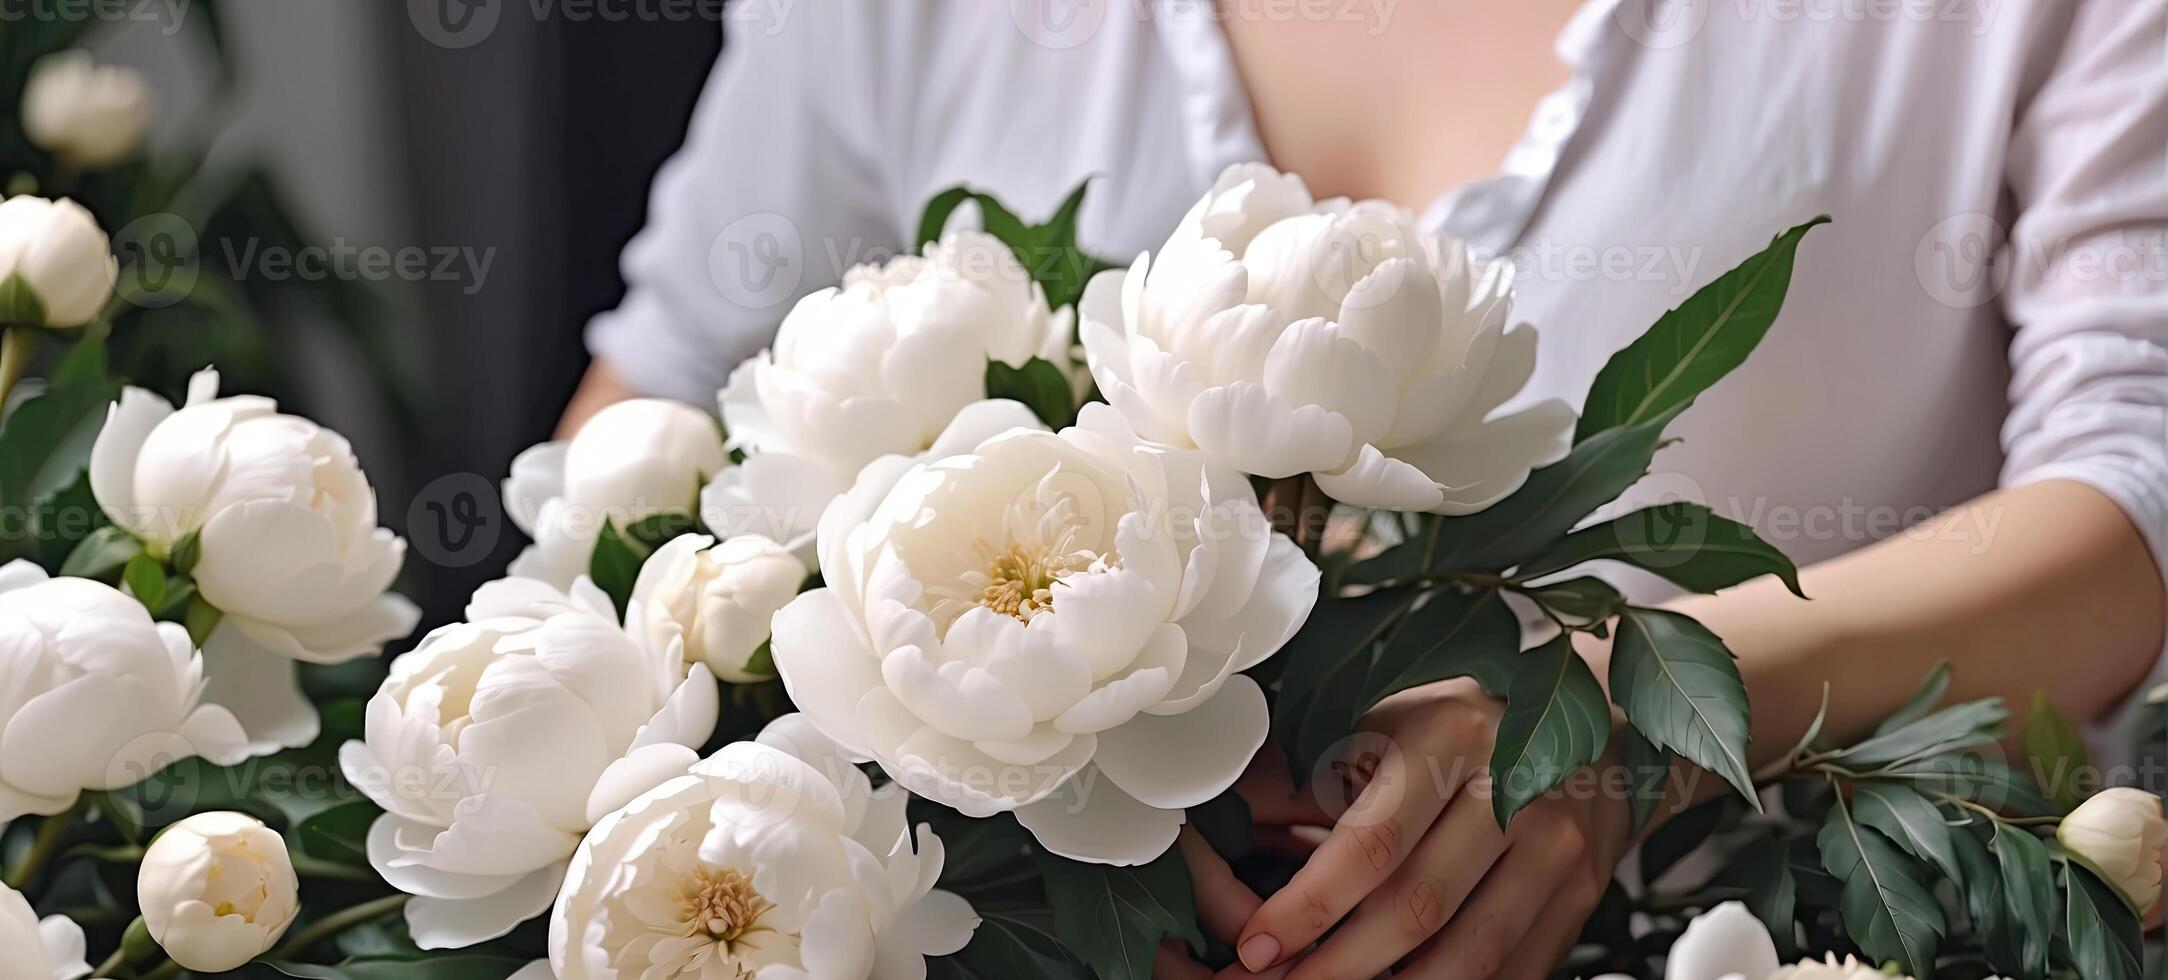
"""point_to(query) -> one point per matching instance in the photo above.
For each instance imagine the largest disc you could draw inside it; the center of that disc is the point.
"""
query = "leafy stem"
(337, 922)
(42, 848)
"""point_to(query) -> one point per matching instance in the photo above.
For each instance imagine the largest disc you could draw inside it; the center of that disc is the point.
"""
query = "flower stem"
(111, 964)
(17, 346)
(47, 843)
(337, 922)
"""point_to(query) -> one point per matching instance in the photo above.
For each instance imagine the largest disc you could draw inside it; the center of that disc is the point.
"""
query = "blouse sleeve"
(774, 193)
(2087, 266)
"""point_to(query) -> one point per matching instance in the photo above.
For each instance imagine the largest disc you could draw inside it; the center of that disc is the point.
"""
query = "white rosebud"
(1832, 968)
(88, 115)
(287, 542)
(47, 949)
(878, 366)
(1285, 336)
(632, 460)
(93, 694)
(1726, 941)
(497, 742)
(774, 858)
(217, 890)
(716, 600)
(1002, 627)
(2120, 832)
(58, 250)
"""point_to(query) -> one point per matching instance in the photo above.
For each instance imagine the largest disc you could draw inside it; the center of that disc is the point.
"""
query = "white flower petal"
(456, 923)
(1258, 432)
(1092, 820)
(1179, 761)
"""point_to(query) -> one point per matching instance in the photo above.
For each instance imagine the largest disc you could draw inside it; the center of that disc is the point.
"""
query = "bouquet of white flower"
(999, 569)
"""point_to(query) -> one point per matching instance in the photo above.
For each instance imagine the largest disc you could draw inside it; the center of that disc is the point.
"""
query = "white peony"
(634, 459)
(93, 694)
(497, 742)
(88, 115)
(2120, 832)
(289, 549)
(770, 860)
(1283, 336)
(51, 948)
(58, 250)
(1726, 941)
(1052, 625)
(715, 599)
(876, 367)
(217, 889)
(1832, 968)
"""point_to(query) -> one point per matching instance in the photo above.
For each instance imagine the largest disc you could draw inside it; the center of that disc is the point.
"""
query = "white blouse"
(1989, 308)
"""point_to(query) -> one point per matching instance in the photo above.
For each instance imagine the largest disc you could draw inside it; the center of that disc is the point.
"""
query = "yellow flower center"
(722, 903)
(1020, 579)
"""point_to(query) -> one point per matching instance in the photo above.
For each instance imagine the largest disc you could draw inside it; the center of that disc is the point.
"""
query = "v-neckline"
(1491, 212)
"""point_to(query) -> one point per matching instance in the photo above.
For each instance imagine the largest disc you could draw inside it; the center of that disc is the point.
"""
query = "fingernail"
(1259, 952)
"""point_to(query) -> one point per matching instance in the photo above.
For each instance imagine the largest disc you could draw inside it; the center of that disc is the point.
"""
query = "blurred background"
(469, 173)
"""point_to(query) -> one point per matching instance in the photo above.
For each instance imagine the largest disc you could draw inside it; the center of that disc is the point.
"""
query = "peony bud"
(718, 600)
(90, 116)
(633, 460)
(38, 949)
(58, 252)
(1725, 941)
(1833, 968)
(2119, 832)
(217, 889)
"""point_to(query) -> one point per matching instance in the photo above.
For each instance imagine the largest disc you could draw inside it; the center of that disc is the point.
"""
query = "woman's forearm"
(2047, 587)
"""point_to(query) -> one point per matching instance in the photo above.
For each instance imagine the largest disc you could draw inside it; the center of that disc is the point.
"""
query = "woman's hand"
(1417, 873)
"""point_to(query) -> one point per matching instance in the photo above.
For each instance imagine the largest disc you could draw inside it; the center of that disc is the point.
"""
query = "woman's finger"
(1484, 934)
(1554, 934)
(1371, 840)
(1173, 962)
(1419, 899)
(1224, 903)
(1269, 789)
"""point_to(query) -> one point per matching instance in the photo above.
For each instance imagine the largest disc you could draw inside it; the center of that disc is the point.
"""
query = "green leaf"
(1981, 887)
(102, 555)
(1886, 909)
(146, 578)
(2104, 934)
(1992, 783)
(1930, 693)
(1763, 870)
(1681, 835)
(1336, 644)
(1584, 602)
(45, 443)
(1556, 721)
(451, 966)
(1011, 943)
(19, 304)
(2028, 889)
(1115, 917)
(2057, 752)
(341, 833)
(85, 362)
(1453, 634)
(1554, 499)
(200, 619)
(1648, 773)
(1680, 687)
(1685, 543)
(938, 210)
(1039, 385)
(1904, 816)
(616, 562)
(1953, 729)
(187, 551)
(1695, 345)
